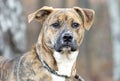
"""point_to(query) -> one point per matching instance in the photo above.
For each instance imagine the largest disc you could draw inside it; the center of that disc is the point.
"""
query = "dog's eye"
(75, 25)
(56, 25)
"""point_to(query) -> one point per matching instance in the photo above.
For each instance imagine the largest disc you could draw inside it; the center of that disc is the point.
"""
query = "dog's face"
(63, 29)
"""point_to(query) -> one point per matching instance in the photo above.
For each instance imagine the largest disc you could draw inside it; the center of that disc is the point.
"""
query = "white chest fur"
(65, 63)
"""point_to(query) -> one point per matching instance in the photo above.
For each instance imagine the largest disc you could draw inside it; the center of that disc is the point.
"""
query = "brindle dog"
(54, 56)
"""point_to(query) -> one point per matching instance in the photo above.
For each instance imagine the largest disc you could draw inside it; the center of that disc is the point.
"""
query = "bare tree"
(113, 6)
(12, 28)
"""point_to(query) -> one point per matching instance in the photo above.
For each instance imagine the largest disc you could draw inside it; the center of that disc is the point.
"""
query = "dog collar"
(46, 66)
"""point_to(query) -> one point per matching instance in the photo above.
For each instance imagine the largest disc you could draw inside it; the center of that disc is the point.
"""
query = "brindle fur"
(24, 68)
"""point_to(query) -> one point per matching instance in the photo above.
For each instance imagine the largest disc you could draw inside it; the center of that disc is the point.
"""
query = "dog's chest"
(65, 63)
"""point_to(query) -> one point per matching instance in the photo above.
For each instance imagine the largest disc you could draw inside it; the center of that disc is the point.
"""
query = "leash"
(45, 65)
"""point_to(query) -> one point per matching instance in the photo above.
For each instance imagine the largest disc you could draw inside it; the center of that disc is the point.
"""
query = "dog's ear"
(41, 14)
(87, 16)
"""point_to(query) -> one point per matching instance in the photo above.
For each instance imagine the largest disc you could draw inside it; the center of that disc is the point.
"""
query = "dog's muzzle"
(65, 40)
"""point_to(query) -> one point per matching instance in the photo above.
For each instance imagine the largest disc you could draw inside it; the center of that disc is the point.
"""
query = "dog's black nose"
(67, 37)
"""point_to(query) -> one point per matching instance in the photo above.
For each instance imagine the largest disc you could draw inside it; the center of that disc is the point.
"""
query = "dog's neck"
(65, 62)
(59, 60)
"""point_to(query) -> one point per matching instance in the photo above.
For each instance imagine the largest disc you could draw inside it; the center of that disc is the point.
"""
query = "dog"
(53, 58)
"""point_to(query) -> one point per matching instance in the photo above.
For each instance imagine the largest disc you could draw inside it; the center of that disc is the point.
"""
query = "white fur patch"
(57, 78)
(65, 63)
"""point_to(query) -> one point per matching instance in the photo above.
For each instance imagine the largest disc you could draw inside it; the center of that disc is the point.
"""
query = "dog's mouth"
(65, 46)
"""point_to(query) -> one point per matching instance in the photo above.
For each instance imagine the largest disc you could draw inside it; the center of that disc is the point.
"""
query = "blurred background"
(99, 58)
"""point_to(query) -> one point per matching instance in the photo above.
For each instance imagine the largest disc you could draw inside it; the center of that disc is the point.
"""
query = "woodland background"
(99, 58)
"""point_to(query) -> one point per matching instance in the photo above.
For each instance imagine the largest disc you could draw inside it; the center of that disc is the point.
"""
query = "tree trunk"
(12, 28)
(113, 6)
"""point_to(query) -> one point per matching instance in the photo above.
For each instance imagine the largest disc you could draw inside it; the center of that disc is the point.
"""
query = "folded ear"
(87, 16)
(41, 14)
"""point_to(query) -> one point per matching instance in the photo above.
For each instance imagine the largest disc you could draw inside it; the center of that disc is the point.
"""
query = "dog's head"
(63, 28)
